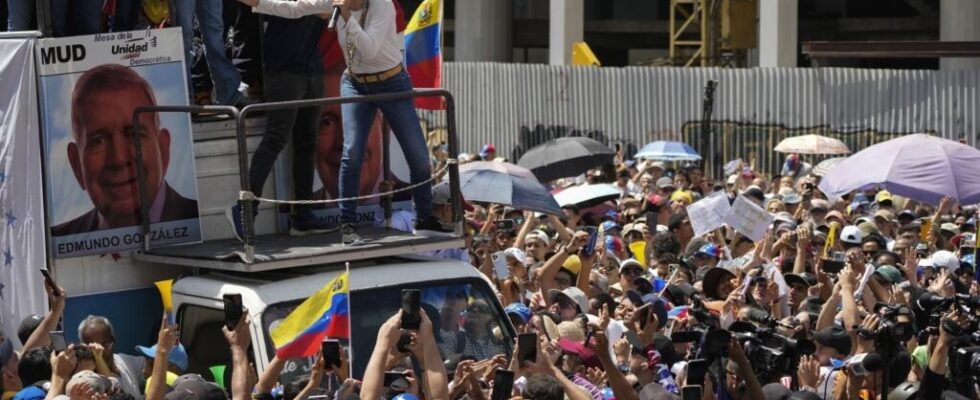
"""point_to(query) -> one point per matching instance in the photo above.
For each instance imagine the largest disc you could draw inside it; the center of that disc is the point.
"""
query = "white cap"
(850, 234)
(945, 259)
(518, 254)
(538, 235)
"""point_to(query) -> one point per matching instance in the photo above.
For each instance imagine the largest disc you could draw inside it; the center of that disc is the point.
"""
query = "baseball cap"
(630, 262)
(538, 235)
(610, 226)
(755, 192)
(944, 259)
(664, 183)
(520, 310)
(819, 204)
(586, 354)
(194, 387)
(487, 149)
(906, 214)
(950, 227)
(709, 249)
(834, 337)
(574, 294)
(890, 273)
(885, 215)
(883, 196)
(177, 356)
(806, 279)
(573, 264)
(676, 220)
(851, 235)
(518, 254)
(634, 227)
(835, 215)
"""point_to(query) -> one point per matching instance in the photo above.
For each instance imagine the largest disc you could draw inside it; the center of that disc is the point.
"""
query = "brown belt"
(378, 77)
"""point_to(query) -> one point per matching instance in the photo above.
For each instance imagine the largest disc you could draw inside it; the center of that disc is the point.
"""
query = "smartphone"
(925, 229)
(58, 343)
(411, 304)
(588, 336)
(503, 384)
(672, 269)
(685, 337)
(696, 370)
(499, 260)
(527, 347)
(330, 351)
(835, 263)
(589, 248)
(396, 381)
(49, 282)
(233, 310)
(506, 225)
(691, 393)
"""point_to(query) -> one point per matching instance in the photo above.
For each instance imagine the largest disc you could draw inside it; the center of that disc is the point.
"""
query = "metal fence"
(516, 106)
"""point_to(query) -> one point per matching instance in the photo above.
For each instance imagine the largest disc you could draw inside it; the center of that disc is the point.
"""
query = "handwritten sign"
(748, 218)
(708, 213)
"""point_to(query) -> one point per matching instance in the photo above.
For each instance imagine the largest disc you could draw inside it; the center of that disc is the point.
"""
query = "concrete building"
(636, 32)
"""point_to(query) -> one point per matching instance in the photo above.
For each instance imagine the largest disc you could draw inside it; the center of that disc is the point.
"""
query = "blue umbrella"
(507, 184)
(667, 151)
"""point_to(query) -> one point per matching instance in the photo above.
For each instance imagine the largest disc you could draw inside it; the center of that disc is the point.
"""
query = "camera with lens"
(771, 354)
(896, 322)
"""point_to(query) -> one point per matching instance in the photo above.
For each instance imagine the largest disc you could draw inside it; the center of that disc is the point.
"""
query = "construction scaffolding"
(712, 33)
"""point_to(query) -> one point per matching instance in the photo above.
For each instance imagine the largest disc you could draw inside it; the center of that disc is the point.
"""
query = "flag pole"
(350, 354)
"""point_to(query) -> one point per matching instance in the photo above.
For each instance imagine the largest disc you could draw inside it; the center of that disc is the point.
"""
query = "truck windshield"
(469, 323)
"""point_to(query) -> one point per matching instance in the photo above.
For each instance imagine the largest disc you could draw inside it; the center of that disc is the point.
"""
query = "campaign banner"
(328, 151)
(22, 226)
(89, 87)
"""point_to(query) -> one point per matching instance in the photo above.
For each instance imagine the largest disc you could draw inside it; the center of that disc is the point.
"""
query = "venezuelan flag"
(325, 314)
(423, 51)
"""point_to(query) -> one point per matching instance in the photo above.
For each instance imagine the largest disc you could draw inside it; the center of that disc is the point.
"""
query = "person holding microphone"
(372, 49)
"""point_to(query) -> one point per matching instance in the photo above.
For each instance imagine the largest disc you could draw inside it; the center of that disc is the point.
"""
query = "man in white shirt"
(372, 48)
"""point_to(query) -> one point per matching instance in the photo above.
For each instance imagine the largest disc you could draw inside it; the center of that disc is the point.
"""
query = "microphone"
(334, 17)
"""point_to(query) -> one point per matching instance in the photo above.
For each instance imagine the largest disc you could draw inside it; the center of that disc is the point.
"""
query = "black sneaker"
(304, 223)
(432, 227)
(349, 236)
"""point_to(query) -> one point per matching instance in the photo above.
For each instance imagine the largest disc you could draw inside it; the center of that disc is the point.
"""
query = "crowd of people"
(871, 296)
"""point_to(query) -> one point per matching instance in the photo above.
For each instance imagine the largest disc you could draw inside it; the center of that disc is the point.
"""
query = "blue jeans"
(400, 114)
(224, 75)
(21, 15)
(76, 17)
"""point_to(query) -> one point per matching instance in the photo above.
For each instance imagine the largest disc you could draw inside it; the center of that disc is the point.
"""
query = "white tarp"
(22, 247)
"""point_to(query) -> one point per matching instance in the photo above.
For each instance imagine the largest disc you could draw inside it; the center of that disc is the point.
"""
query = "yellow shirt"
(171, 377)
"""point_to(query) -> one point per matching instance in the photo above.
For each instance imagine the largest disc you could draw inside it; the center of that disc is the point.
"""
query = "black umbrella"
(565, 157)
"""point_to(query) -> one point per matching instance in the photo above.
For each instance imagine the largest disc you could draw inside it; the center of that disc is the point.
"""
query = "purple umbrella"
(920, 167)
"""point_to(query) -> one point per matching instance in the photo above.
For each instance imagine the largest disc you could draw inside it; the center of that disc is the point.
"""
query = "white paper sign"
(708, 213)
(748, 218)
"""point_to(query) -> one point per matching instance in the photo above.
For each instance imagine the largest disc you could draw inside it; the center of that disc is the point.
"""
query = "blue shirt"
(30, 393)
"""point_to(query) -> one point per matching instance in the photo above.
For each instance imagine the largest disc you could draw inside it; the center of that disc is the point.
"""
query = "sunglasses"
(631, 271)
(478, 310)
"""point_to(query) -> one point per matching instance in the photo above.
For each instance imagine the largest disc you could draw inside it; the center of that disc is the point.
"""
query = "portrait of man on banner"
(102, 154)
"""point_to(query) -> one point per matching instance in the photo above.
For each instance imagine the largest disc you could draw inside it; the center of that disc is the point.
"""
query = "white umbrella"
(812, 144)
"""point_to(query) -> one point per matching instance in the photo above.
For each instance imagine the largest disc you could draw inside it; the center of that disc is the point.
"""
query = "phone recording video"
(233, 310)
(527, 347)
(411, 304)
(330, 351)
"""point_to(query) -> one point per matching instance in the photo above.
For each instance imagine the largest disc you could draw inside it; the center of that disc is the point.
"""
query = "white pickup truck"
(375, 286)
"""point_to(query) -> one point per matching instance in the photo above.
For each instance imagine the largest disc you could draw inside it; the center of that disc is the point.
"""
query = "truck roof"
(260, 289)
